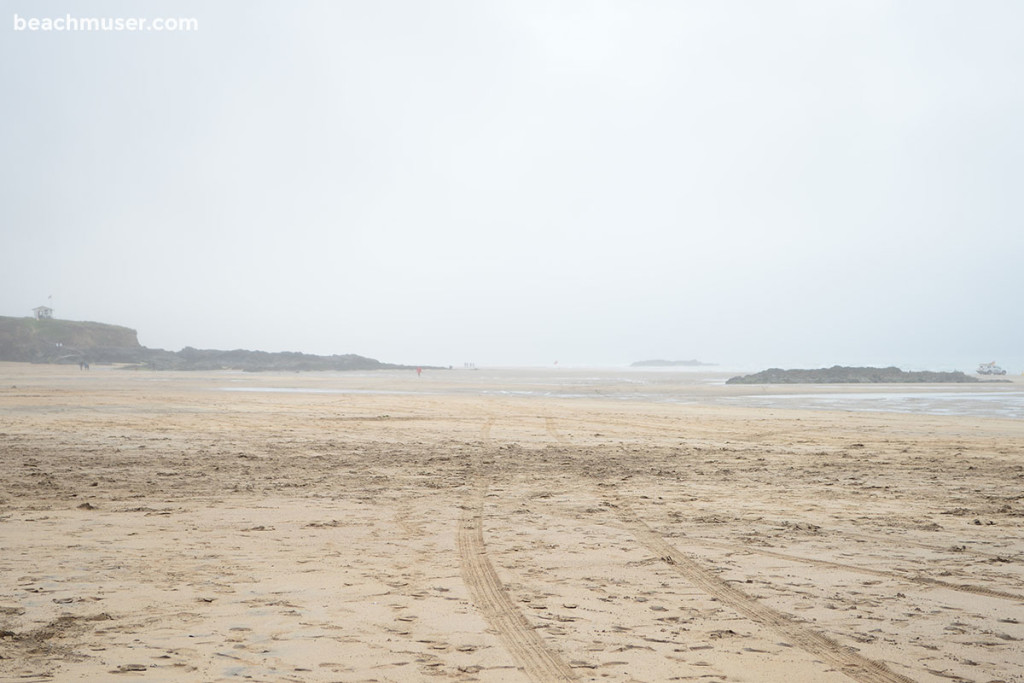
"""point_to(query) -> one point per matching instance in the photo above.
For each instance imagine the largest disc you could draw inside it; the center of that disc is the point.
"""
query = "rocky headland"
(71, 342)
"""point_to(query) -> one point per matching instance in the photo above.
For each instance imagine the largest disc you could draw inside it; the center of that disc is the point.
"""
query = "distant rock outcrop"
(257, 361)
(67, 341)
(839, 374)
(668, 364)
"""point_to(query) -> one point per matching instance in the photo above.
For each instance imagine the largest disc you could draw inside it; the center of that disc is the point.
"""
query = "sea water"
(707, 388)
(1005, 404)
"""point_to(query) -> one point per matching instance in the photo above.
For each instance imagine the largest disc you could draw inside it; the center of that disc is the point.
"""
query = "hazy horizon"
(794, 184)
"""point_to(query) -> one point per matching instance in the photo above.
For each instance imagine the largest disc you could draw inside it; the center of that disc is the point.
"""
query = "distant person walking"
(419, 371)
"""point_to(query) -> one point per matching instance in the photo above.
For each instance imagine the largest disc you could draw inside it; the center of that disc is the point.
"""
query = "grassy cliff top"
(47, 341)
(69, 341)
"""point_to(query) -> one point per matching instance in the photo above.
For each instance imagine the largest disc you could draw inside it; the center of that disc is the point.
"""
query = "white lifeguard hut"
(43, 312)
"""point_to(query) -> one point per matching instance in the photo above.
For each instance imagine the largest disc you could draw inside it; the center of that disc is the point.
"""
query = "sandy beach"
(499, 526)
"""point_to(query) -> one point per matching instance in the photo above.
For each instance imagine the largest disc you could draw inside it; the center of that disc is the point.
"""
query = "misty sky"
(750, 183)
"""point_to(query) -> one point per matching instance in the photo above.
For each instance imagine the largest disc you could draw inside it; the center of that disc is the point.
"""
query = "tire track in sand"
(899, 541)
(489, 595)
(549, 426)
(845, 659)
(893, 575)
(485, 431)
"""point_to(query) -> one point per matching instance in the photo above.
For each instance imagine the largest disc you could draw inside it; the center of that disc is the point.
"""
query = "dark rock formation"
(839, 374)
(67, 341)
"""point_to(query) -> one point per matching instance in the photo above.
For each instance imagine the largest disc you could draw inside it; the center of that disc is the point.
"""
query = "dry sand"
(153, 527)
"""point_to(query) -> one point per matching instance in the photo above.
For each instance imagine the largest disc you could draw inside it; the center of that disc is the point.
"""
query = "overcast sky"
(749, 183)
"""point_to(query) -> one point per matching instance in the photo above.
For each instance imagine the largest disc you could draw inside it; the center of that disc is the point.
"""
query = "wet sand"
(154, 526)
